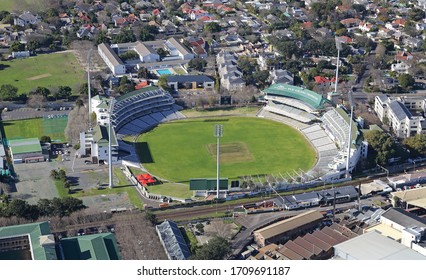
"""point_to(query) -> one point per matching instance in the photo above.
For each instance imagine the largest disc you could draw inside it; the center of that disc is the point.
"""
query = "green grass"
(171, 189)
(62, 191)
(222, 112)
(179, 71)
(178, 150)
(36, 128)
(46, 70)
(7, 5)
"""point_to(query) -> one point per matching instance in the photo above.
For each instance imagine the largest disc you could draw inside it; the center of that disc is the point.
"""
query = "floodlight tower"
(218, 132)
(111, 106)
(352, 104)
(89, 56)
(339, 48)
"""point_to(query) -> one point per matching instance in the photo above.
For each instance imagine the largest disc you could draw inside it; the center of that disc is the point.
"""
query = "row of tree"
(44, 208)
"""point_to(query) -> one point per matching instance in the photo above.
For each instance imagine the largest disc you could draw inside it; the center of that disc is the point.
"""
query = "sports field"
(36, 128)
(180, 150)
(6, 5)
(46, 70)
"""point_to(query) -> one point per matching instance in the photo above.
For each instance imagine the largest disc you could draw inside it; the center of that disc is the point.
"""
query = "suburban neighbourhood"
(213, 130)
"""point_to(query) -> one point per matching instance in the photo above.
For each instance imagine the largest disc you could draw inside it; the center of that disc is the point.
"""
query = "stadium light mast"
(351, 103)
(218, 132)
(111, 105)
(89, 56)
(339, 48)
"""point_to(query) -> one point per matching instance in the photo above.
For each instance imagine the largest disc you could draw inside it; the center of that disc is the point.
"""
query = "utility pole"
(339, 48)
(89, 56)
(218, 132)
(351, 103)
(111, 106)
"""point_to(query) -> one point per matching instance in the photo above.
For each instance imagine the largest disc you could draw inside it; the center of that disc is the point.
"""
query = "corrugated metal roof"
(404, 218)
(317, 242)
(173, 240)
(179, 46)
(374, 246)
(311, 247)
(299, 249)
(326, 238)
(290, 224)
(189, 79)
(334, 234)
(291, 255)
(102, 246)
(35, 231)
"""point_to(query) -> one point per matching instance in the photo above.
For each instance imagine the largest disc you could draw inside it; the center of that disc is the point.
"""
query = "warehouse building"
(284, 230)
(27, 150)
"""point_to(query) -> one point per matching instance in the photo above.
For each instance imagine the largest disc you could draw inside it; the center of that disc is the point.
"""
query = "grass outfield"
(180, 150)
(6, 5)
(46, 70)
(36, 128)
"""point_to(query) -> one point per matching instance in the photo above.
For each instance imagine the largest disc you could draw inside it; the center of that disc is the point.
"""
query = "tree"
(200, 227)
(212, 27)
(102, 37)
(8, 92)
(197, 63)
(162, 82)
(84, 89)
(64, 92)
(162, 52)
(45, 92)
(17, 47)
(381, 146)
(217, 249)
(416, 14)
(261, 77)
(36, 101)
(416, 144)
(406, 81)
(125, 36)
(33, 45)
(143, 73)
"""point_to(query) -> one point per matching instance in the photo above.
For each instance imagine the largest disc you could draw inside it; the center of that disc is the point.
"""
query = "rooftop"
(404, 218)
(311, 98)
(110, 54)
(374, 246)
(100, 135)
(135, 92)
(35, 231)
(290, 224)
(189, 79)
(22, 146)
(101, 246)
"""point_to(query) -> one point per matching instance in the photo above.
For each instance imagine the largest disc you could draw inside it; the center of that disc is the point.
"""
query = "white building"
(114, 63)
(100, 106)
(96, 144)
(176, 48)
(398, 117)
(230, 76)
(146, 53)
(337, 123)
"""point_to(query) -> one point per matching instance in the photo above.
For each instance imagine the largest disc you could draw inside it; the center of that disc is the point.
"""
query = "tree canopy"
(217, 249)
(416, 144)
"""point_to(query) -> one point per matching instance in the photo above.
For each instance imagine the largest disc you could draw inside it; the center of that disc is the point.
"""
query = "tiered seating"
(291, 112)
(292, 102)
(337, 127)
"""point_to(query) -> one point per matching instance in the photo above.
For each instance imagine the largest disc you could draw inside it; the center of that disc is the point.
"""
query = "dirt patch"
(38, 77)
(225, 228)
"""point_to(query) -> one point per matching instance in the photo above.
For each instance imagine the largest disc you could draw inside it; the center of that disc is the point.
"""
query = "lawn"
(171, 189)
(36, 128)
(7, 5)
(180, 150)
(222, 112)
(46, 70)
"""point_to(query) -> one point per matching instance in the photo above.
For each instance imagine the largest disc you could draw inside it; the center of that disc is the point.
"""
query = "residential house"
(420, 26)
(26, 18)
(281, 76)
(413, 43)
(400, 67)
(190, 82)
(351, 22)
(403, 56)
(230, 75)
(365, 26)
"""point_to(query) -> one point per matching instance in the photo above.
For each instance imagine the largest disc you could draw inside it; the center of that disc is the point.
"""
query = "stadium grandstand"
(294, 102)
(140, 110)
(337, 123)
(327, 128)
